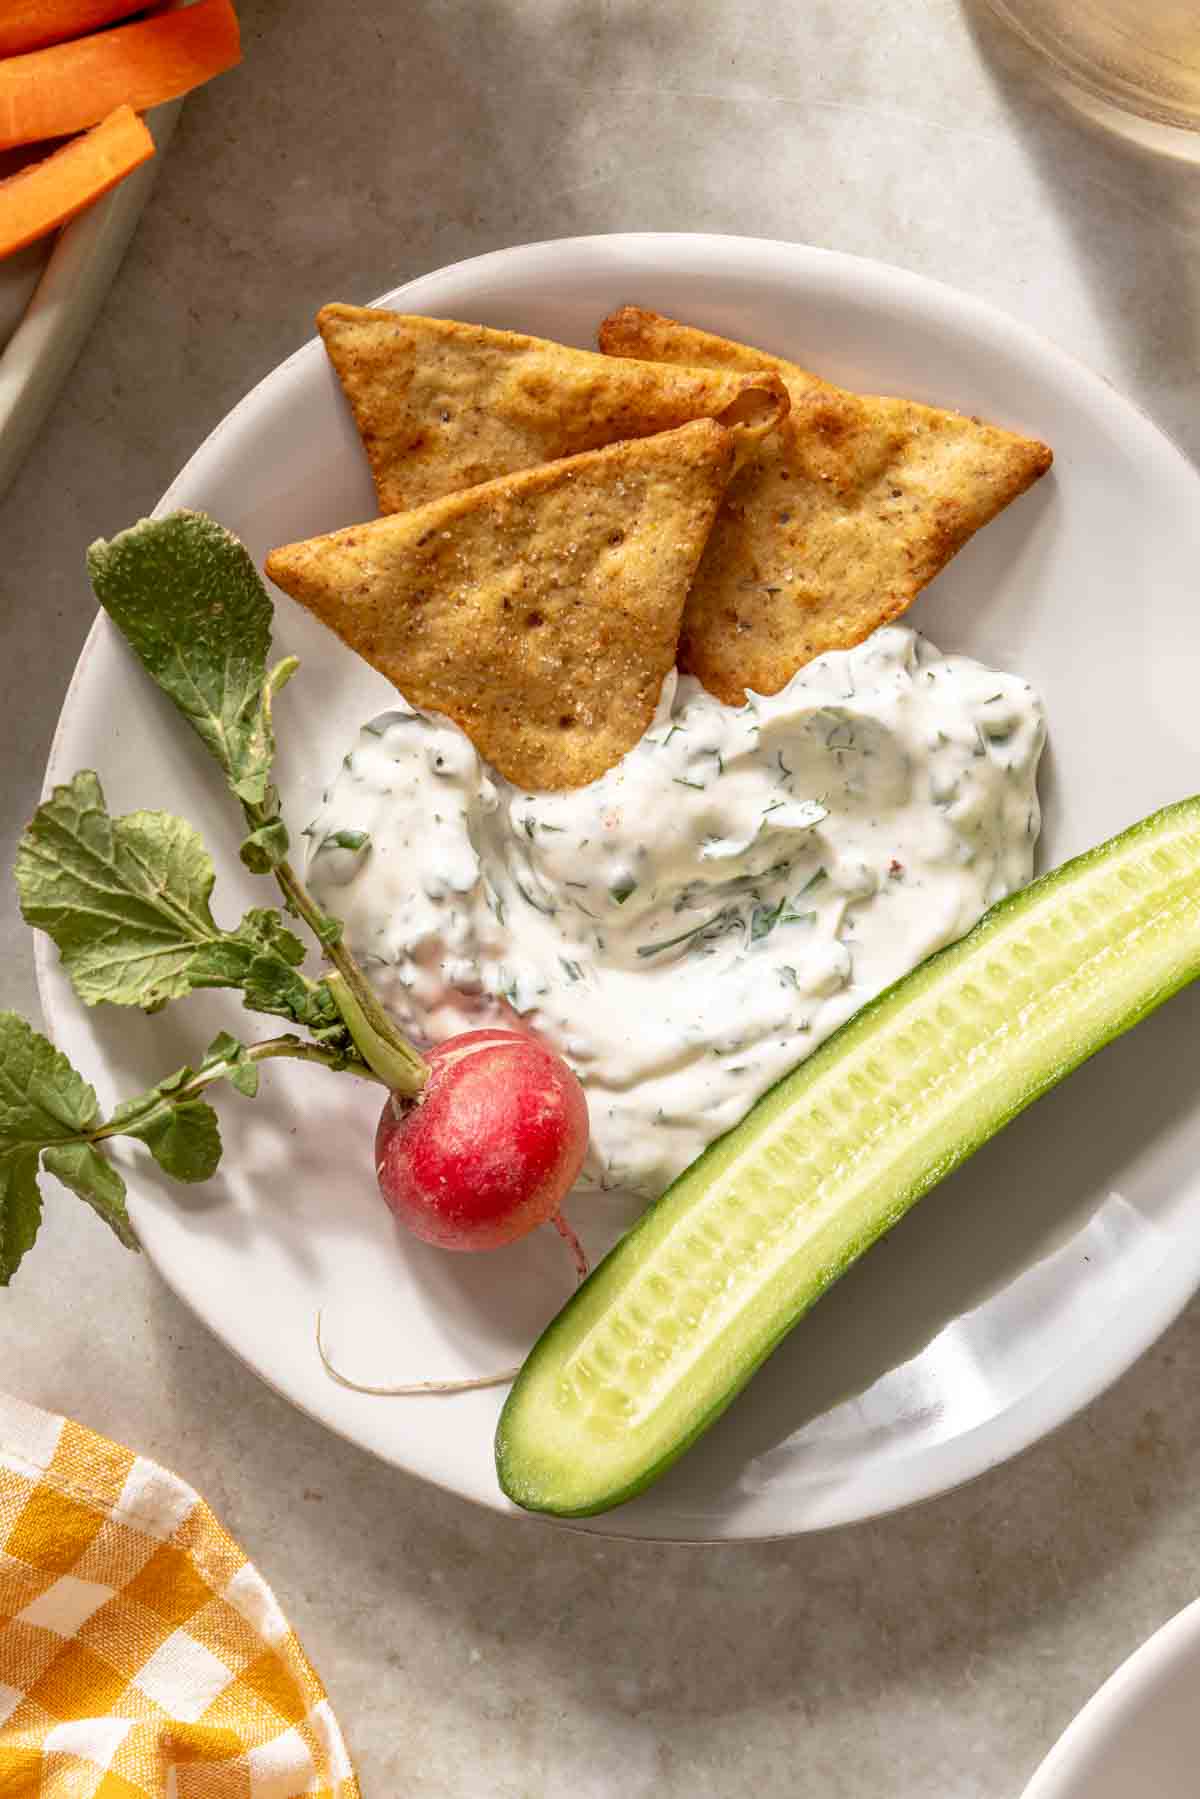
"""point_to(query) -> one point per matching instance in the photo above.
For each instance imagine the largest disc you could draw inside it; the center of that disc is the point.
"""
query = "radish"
(489, 1148)
(484, 1152)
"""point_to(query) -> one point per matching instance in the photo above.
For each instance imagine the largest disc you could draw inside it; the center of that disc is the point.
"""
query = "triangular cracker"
(836, 522)
(441, 406)
(541, 612)
(652, 337)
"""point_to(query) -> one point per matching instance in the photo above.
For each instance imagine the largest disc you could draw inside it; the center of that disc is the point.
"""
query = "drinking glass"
(1132, 65)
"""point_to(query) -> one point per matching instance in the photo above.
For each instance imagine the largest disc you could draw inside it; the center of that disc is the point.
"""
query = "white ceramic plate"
(1021, 1287)
(50, 294)
(1139, 1736)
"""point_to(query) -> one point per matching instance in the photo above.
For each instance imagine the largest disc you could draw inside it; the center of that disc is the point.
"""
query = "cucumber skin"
(508, 1455)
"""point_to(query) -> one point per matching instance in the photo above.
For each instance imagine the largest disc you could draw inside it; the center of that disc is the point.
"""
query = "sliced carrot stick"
(31, 24)
(47, 193)
(49, 93)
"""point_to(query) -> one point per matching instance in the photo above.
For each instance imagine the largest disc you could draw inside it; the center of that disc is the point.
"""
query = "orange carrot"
(31, 24)
(49, 93)
(45, 194)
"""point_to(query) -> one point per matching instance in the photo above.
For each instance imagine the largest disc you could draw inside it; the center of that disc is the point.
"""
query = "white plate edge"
(1048, 1406)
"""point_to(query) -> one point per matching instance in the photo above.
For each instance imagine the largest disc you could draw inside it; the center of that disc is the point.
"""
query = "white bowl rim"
(1113, 1705)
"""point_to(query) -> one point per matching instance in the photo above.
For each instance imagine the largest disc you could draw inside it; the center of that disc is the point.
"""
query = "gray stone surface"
(933, 1654)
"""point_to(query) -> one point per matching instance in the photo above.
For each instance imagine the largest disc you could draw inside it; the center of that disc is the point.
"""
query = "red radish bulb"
(491, 1146)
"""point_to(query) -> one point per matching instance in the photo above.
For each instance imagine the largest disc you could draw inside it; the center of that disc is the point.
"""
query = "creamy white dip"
(690, 926)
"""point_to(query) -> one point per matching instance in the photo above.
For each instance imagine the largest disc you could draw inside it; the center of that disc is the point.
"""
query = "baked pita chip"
(652, 337)
(541, 612)
(836, 522)
(442, 406)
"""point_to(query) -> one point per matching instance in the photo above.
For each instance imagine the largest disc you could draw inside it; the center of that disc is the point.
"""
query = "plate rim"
(1042, 1409)
(1118, 1699)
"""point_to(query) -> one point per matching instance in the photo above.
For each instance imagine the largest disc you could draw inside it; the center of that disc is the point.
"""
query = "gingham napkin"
(141, 1655)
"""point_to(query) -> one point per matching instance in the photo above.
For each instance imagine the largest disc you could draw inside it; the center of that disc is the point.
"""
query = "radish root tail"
(573, 1244)
(411, 1388)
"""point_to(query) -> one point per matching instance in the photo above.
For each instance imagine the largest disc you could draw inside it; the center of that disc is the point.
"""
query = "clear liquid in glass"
(1132, 64)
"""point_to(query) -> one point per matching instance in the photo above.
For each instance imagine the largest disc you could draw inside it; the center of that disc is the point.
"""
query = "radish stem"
(377, 1042)
(294, 1048)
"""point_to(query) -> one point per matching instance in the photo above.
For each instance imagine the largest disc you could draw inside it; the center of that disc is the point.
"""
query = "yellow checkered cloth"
(141, 1655)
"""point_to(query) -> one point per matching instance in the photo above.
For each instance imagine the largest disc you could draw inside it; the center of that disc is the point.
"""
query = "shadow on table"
(476, 102)
(690, 1646)
(1089, 174)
